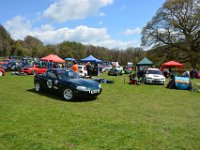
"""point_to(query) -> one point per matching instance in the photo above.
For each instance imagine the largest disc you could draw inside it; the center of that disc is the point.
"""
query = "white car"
(119, 68)
(82, 71)
(153, 76)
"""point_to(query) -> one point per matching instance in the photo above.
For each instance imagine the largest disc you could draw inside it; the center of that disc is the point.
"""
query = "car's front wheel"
(38, 87)
(68, 94)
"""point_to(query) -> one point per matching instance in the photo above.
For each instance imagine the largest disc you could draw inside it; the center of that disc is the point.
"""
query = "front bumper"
(88, 93)
(154, 81)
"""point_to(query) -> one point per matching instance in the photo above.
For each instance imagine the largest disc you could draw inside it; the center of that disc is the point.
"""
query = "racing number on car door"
(49, 83)
(52, 80)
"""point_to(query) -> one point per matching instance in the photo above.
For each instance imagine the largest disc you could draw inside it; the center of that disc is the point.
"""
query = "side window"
(51, 74)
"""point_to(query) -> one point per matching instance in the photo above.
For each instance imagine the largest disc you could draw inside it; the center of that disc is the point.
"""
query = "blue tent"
(90, 59)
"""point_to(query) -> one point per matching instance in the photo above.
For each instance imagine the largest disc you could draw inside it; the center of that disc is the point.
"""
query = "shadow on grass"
(57, 96)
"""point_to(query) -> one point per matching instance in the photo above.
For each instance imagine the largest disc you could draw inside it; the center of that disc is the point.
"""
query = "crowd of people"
(88, 66)
(91, 68)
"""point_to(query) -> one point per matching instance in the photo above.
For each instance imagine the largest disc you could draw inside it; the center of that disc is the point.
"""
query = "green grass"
(124, 117)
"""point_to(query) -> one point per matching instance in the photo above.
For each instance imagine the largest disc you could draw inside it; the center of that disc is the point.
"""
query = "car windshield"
(67, 74)
(153, 72)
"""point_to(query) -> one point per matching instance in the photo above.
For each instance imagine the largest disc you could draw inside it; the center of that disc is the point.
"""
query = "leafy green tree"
(71, 49)
(99, 52)
(5, 42)
(77, 50)
(133, 55)
(65, 50)
(19, 48)
(176, 24)
(50, 49)
(35, 46)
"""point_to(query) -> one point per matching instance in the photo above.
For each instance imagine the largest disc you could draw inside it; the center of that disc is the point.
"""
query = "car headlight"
(81, 88)
(99, 85)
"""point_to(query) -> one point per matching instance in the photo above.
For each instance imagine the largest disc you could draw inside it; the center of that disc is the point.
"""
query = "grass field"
(123, 117)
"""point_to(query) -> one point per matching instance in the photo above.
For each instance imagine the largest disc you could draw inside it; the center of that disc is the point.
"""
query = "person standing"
(89, 69)
(49, 65)
(75, 66)
(192, 73)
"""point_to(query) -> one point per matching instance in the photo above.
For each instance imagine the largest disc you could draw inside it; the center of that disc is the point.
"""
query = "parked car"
(2, 72)
(12, 66)
(5, 61)
(128, 70)
(68, 83)
(32, 70)
(153, 76)
(82, 71)
(108, 67)
(115, 71)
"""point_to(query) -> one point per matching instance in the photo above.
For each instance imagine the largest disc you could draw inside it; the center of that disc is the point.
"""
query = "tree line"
(31, 46)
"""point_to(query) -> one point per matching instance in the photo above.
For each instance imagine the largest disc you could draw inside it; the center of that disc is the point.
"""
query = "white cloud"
(132, 31)
(102, 14)
(19, 28)
(117, 44)
(64, 10)
(44, 28)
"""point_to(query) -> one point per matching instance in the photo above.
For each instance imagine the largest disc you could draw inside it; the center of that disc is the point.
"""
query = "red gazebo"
(172, 64)
(53, 58)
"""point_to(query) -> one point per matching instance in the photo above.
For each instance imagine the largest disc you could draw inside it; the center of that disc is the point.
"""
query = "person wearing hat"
(75, 66)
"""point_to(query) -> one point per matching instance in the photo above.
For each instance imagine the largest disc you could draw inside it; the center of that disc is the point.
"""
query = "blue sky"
(108, 23)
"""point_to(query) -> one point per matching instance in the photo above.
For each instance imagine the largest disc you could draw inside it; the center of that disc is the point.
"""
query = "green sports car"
(68, 83)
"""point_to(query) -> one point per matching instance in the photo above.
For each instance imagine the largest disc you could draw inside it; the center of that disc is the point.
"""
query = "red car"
(2, 72)
(33, 70)
(5, 61)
